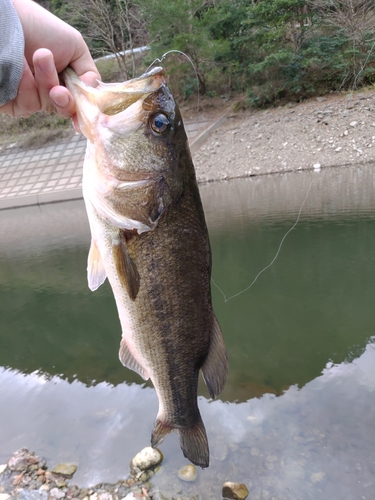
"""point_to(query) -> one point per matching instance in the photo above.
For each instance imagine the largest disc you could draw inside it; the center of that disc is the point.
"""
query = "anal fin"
(215, 366)
(96, 274)
(128, 360)
(159, 432)
(126, 269)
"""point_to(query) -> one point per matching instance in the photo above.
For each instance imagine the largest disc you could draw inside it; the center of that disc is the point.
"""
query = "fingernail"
(46, 65)
(61, 100)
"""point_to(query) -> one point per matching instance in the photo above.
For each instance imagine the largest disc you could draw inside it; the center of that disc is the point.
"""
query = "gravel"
(335, 130)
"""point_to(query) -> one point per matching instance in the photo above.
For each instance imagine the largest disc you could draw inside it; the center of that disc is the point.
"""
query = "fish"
(149, 238)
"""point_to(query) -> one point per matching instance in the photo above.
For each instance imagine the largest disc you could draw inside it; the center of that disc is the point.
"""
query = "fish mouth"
(116, 97)
(112, 98)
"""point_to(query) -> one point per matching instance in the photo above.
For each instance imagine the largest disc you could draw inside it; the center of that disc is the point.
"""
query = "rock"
(60, 483)
(353, 124)
(102, 495)
(65, 470)
(2, 468)
(144, 476)
(4, 496)
(23, 459)
(254, 451)
(188, 473)
(56, 493)
(146, 459)
(130, 496)
(235, 491)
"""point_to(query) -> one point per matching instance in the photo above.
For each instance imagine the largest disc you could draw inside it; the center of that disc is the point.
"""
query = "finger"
(83, 64)
(90, 78)
(45, 77)
(27, 100)
(63, 101)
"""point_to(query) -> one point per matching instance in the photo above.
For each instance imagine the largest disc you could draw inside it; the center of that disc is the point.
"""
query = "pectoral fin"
(96, 274)
(128, 360)
(215, 366)
(126, 269)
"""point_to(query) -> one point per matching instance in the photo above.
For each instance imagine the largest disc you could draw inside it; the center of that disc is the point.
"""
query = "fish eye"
(160, 124)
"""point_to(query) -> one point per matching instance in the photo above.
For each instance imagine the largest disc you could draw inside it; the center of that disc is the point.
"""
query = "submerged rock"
(188, 473)
(65, 470)
(146, 459)
(234, 491)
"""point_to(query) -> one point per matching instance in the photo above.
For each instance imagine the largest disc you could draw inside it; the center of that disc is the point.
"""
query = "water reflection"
(314, 442)
(65, 395)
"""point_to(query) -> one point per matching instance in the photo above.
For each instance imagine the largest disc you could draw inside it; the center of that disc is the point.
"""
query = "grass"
(35, 131)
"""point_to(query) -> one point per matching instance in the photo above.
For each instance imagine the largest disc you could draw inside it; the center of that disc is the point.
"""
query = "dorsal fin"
(96, 274)
(128, 360)
(215, 366)
(126, 269)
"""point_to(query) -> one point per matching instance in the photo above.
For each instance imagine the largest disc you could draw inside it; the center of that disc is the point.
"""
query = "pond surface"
(297, 417)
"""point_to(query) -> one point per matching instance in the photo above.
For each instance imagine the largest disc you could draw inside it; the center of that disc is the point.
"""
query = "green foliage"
(271, 49)
(180, 25)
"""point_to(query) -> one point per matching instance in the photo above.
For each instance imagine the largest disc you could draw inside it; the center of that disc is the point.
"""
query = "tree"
(355, 21)
(113, 26)
(179, 25)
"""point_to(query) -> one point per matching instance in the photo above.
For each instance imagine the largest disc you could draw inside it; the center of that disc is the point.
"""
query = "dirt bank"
(334, 130)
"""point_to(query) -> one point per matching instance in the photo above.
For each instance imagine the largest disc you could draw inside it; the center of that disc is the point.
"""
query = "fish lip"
(147, 83)
(113, 98)
(153, 72)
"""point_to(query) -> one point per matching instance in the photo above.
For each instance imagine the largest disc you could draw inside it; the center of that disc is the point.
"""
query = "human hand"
(50, 46)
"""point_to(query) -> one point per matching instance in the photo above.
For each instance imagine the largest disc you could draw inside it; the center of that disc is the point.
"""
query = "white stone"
(56, 493)
(353, 124)
(129, 496)
(147, 458)
(4, 496)
(2, 468)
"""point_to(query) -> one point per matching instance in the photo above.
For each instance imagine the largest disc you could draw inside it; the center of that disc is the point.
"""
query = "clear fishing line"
(175, 51)
(272, 261)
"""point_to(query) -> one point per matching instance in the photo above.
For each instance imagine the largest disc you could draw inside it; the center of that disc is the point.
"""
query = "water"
(297, 417)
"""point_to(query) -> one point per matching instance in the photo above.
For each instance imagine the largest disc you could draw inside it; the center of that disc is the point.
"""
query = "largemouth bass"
(149, 238)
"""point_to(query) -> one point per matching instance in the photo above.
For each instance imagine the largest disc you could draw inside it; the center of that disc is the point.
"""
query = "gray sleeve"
(11, 51)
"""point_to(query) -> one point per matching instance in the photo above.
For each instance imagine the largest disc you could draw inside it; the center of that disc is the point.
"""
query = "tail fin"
(193, 440)
(194, 444)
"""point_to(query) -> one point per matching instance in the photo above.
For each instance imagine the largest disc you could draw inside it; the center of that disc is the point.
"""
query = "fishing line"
(272, 261)
(190, 61)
